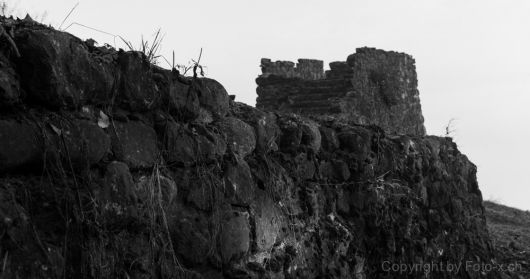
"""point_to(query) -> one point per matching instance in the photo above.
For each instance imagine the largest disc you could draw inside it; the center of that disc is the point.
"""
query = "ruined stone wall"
(372, 87)
(305, 68)
(111, 167)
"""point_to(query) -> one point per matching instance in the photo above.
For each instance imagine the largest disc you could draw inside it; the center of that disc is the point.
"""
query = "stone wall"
(372, 87)
(111, 167)
(305, 68)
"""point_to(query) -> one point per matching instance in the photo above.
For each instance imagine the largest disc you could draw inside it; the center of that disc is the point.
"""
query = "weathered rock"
(168, 188)
(183, 100)
(192, 238)
(239, 184)
(176, 95)
(212, 96)
(311, 135)
(305, 167)
(137, 89)
(205, 195)
(80, 142)
(264, 123)
(329, 139)
(178, 144)
(184, 145)
(9, 84)
(135, 144)
(57, 69)
(240, 136)
(210, 143)
(235, 236)
(268, 220)
(354, 140)
(291, 136)
(201, 186)
(16, 226)
(118, 198)
(267, 132)
(297, 132)
(158, 188)
(191, 242)
(13, 216)
(119, 186)
(22, 145)
(337, 170)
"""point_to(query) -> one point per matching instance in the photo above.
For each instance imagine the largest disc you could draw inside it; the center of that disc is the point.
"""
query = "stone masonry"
(112, 167)
(372, 87)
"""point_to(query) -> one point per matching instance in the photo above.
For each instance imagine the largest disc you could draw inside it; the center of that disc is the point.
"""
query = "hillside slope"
(510, 231)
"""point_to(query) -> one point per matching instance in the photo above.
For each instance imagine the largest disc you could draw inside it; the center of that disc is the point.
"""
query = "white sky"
(472, 57)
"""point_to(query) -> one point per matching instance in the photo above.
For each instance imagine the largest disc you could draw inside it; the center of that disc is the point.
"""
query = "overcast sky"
(472, 57)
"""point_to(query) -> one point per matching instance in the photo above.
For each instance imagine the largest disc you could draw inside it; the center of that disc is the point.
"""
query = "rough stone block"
(264, 123)
(176, 96)
(184, 145)
(239, 184)
(80, 142)
(311, 135)
(298, 132)
(212, 96)
(137, 89)
(235, 236)
(9, 84)
(268, 222)
(135, 144)
(330, 142)
(57, 69)
(119, 186)
(21, 144)
(191, 236)
(356, 141)
(240, 136)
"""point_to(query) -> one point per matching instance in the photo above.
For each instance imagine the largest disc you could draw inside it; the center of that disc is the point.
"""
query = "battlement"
(309, 69)
(372, 86)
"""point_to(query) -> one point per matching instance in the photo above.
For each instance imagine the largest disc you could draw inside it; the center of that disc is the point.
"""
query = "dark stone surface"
(189, 145)
(137, 88)
(240, 136)
(299, 132)
(311, 135)
(9, 84)
(176, 95)
(118, 194)
(79, 142)
(330, 142)
(239, 184)
(135, 144)
(22, 145)
(57, 69)
(212, 96)
(234, 236)
(269, 222)
(264, 123)
(178, 145)
(191, 242)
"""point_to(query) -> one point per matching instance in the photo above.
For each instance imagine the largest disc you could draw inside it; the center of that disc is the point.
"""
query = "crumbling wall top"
(372, 86)
(309, 69)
